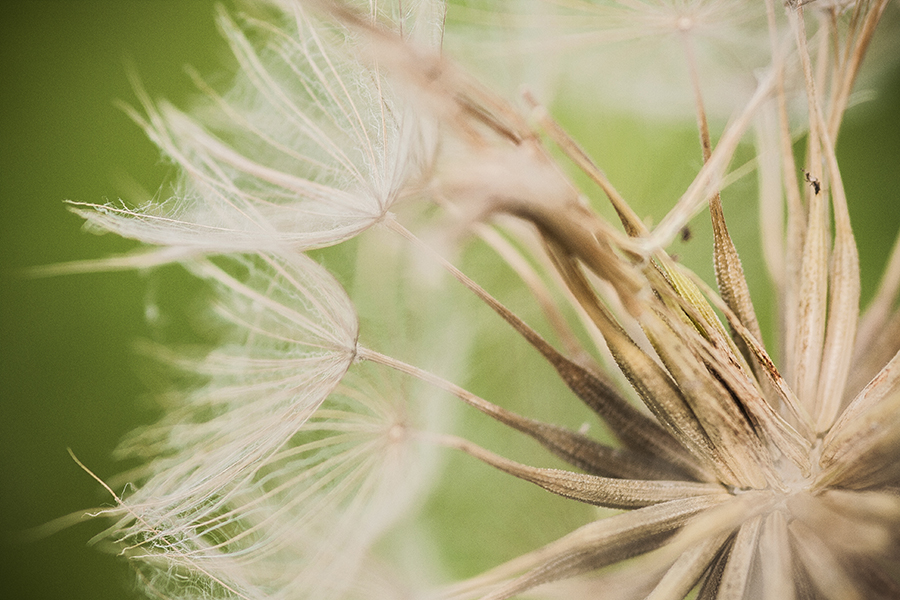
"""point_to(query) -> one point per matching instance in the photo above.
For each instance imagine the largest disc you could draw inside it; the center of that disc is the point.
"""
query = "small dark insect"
(813, 181)
(686, 234)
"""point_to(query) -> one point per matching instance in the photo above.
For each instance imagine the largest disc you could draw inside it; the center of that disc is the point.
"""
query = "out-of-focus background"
(69, 377)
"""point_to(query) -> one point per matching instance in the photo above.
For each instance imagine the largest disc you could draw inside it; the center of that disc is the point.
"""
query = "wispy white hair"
(309, 148)
(301, 526)
(293, 337)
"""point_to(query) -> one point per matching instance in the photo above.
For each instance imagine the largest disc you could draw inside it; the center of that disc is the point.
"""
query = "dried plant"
(737, 476)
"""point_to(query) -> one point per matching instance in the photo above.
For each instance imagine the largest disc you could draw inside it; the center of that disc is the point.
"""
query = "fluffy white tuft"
(308, 149)
(293, 338)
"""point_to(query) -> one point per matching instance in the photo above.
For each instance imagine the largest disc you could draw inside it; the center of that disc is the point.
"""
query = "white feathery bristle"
(293, 338)
(302, 524)
(308, 149)
(628, 56)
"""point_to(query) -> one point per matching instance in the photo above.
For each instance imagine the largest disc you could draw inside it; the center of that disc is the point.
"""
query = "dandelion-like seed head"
(740, 469)
(307, 150)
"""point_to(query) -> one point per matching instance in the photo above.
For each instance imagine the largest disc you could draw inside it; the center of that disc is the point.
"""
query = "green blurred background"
(68, 375)
(68, 370)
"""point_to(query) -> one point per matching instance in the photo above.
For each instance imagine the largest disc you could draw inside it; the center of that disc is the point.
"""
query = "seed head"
(741, 470)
